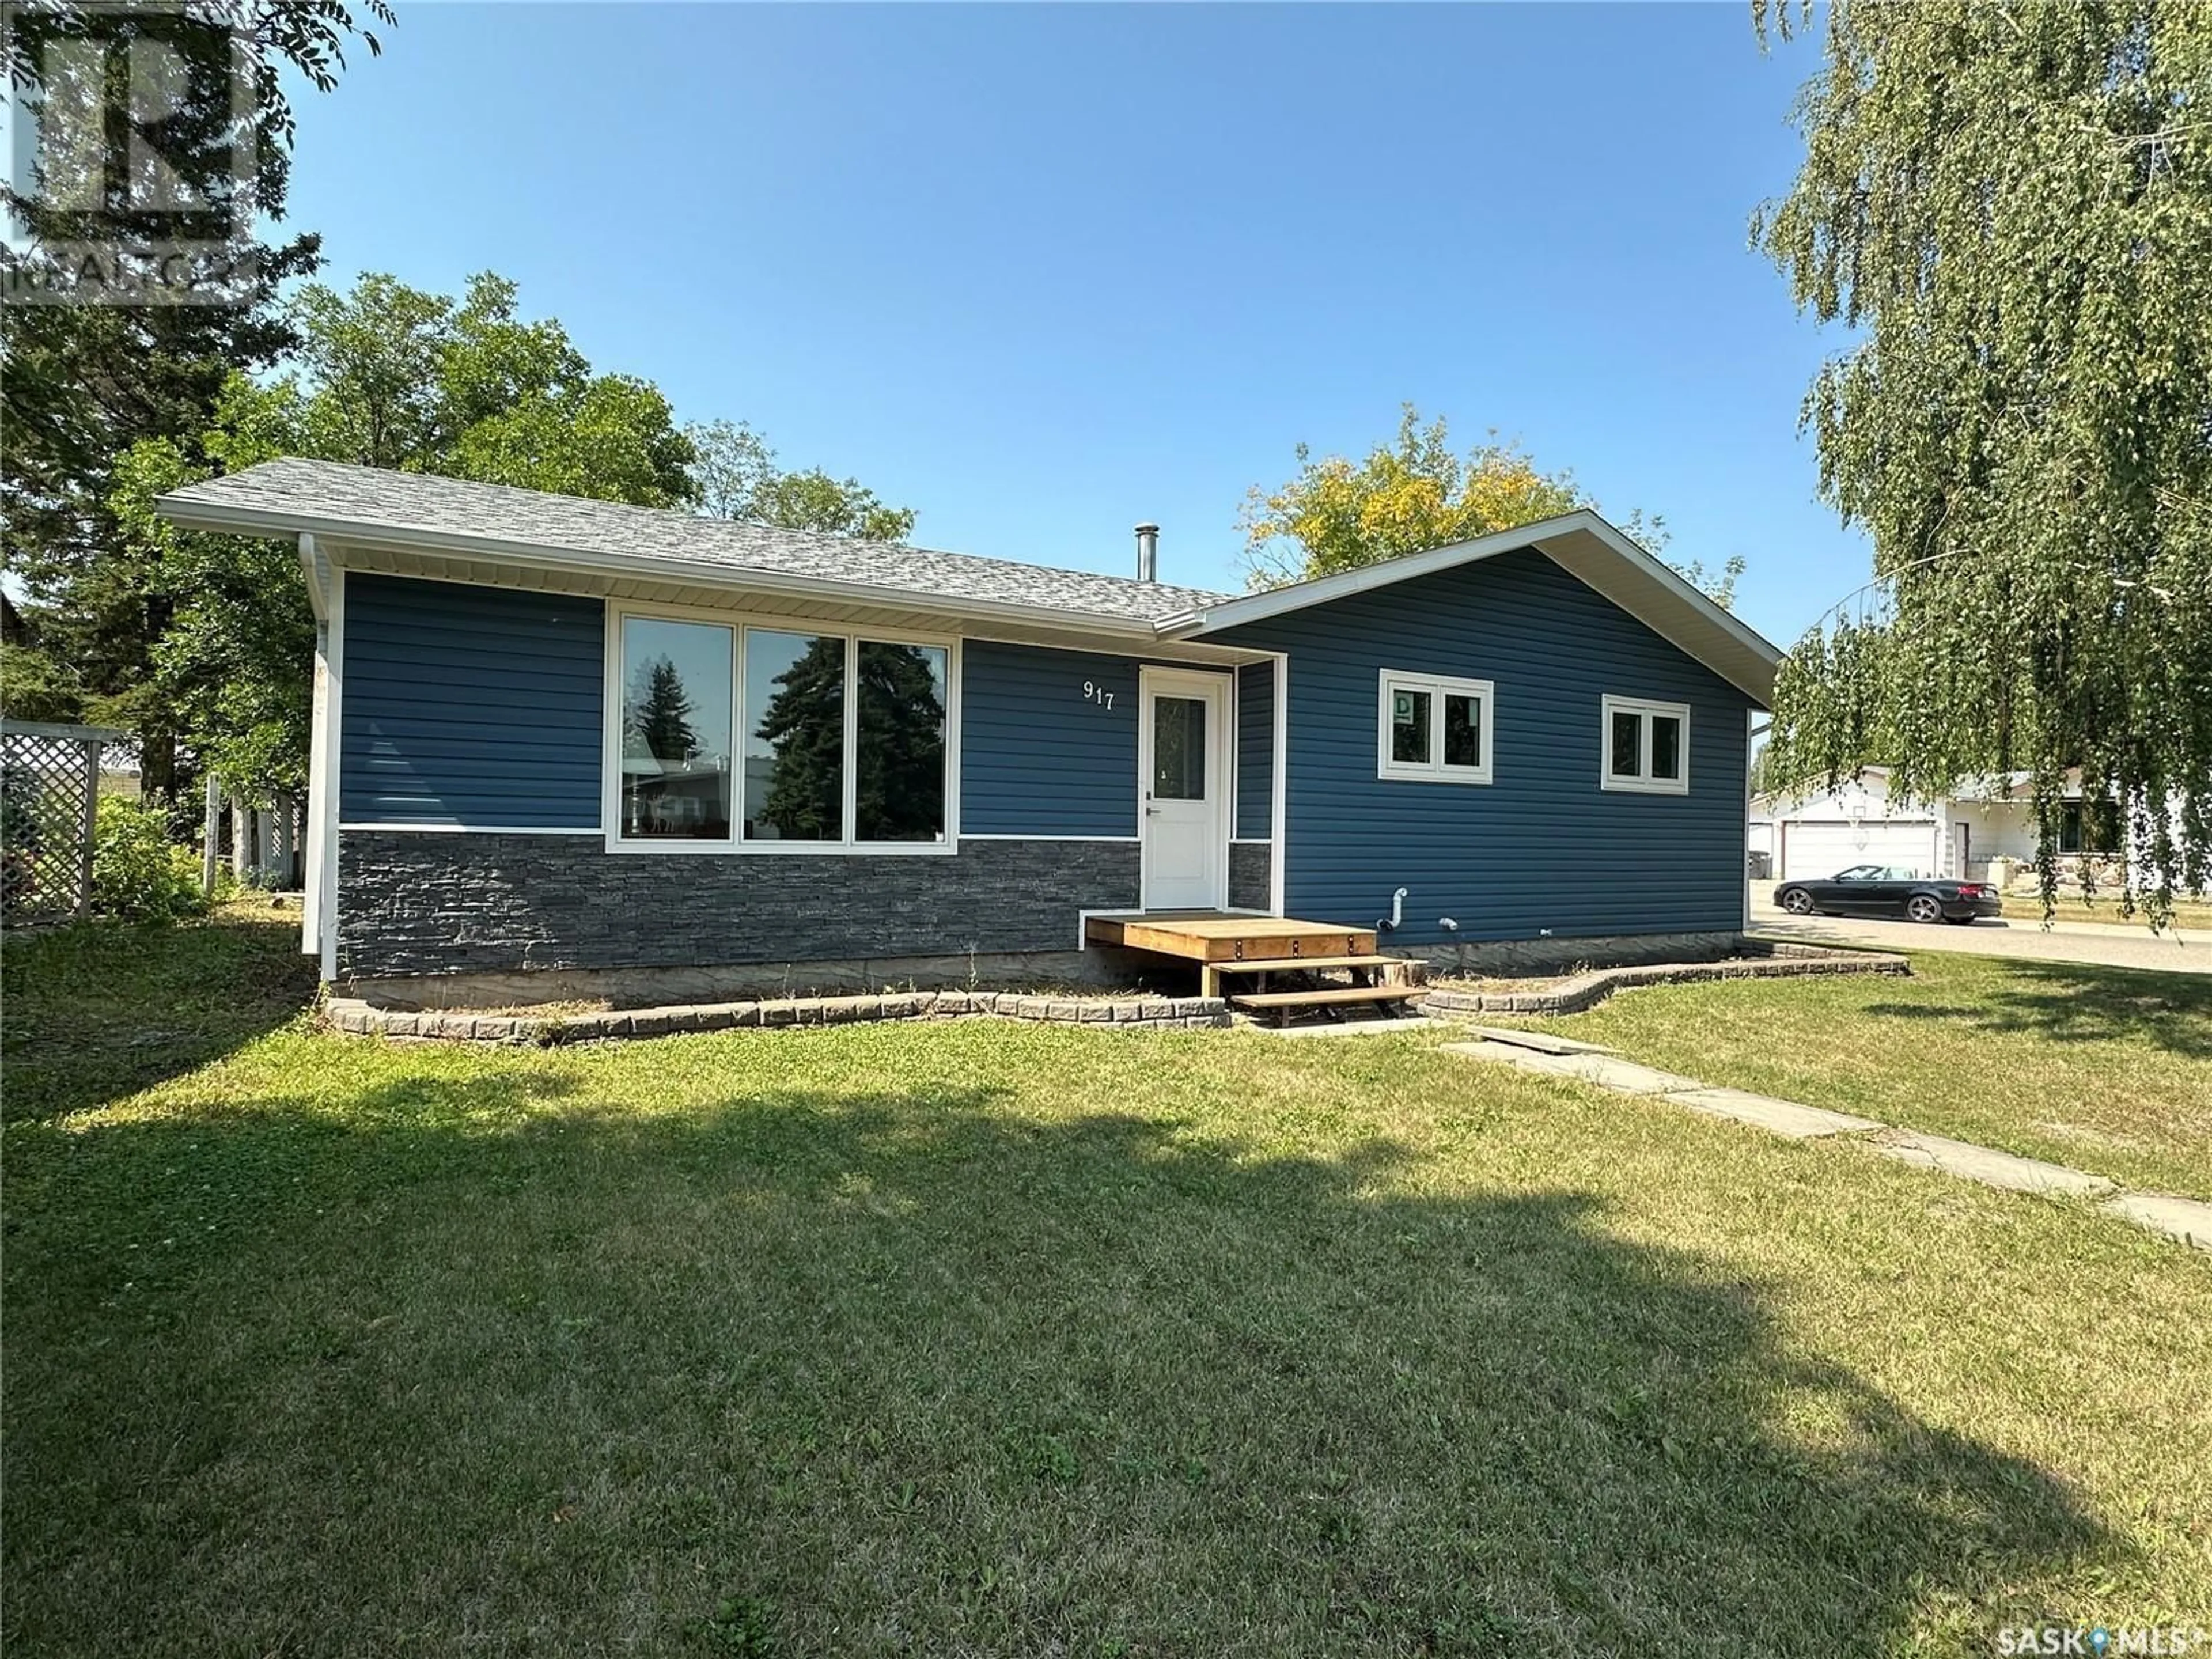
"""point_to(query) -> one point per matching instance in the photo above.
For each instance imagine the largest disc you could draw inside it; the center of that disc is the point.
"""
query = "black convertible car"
(1872, 889)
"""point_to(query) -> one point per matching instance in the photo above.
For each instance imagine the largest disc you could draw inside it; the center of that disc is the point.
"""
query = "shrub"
(138, 874)
(22, 837)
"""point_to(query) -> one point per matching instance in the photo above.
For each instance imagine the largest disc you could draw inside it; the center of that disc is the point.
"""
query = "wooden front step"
(1396, 970)
(1230, 939)
(1283, 1004)
(1309, 965)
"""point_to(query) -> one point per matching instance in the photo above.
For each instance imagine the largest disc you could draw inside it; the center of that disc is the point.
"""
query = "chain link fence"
(49, 793)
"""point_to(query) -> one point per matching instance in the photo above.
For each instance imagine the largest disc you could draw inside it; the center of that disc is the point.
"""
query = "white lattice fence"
(48, 791)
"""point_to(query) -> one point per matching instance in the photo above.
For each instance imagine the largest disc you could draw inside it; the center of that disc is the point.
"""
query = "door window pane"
(1627, 741)
(1409, 726)
(1462, 731)
(1179, 748)
(676, 730)
(1666, 746)
(794, 759)
(900, 763)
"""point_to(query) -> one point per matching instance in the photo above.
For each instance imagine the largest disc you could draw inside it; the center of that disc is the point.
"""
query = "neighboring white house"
(1817, 835)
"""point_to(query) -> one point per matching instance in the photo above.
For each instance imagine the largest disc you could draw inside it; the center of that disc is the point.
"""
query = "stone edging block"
(361, 1018)
(1586, 991)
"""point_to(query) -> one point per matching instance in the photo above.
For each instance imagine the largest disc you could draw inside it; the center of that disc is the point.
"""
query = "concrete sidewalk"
(2081, 943)
(2184, 1219)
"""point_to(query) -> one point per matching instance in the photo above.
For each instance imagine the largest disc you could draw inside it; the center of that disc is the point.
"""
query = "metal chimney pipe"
(1148, 552)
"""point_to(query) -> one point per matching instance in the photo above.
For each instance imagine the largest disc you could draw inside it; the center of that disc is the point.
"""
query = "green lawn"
(2189, 915)
(2102, 1068)
(992, 1339)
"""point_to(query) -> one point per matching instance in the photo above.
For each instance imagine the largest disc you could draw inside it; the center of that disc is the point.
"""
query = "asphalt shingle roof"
(372, 498)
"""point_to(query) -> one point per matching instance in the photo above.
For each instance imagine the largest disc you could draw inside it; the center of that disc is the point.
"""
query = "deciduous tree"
(738, 477)
(83, 382)
(2010, 208)
(1408, 497)
(389, 376)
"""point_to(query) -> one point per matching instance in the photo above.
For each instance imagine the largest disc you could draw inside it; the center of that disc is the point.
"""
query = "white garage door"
(1813, 850)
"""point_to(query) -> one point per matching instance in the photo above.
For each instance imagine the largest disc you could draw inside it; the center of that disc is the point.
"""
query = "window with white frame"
(1647, 745)
(772, 737)
(1433, 729)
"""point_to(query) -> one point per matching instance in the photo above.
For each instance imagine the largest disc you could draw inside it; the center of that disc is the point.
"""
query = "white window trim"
(1432, 770)
(610, 737)
(1644, 783)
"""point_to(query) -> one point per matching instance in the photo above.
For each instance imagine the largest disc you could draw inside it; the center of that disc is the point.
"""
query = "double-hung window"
(1646, 745)
(774, 738)
(1433, 729)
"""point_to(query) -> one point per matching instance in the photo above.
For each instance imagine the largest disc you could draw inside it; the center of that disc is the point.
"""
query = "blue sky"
(1043, 272)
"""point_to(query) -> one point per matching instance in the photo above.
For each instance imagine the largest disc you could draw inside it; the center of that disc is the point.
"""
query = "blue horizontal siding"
(1542, 846)
(469, 706)
(1037, 756)
(1255, 750)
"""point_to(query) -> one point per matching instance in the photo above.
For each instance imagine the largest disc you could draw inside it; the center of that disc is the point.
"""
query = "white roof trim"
(1581, 543)
(224, 519)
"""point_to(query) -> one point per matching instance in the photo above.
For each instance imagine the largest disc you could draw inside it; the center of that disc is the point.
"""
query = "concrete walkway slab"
(1353, 1028)
(1990, 1168)
(1625, 1075)
(1607, 1072)
(1783, 1117)
(1542, 1042)
(2184, 1219)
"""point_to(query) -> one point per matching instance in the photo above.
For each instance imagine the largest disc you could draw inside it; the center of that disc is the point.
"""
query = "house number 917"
(1094, 692)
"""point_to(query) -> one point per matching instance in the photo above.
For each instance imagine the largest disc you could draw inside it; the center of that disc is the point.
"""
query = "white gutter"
(317, 565)
(254, 521)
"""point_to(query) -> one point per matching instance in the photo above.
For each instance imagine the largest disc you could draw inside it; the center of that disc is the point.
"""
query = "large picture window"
(904, 692)
(1433, 729)
(1646, 745)
(771, 739)
(676, 718)
(794, 735)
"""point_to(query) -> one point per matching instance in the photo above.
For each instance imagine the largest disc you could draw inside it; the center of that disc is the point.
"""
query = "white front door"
(1183, 777)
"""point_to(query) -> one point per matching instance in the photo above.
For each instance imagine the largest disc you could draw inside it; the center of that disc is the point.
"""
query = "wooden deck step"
(1400, 970)
(1306, 964)
(1283, 1004)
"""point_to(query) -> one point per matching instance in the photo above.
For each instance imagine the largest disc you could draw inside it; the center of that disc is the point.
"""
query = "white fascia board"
(1277, 601)
(1669, 577)
(1299, 596)
(253, 521)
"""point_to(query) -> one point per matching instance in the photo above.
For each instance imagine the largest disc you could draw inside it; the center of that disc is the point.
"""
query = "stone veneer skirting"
(1251, 875)
(362, 1018)
(1515, 958)
(415, 902)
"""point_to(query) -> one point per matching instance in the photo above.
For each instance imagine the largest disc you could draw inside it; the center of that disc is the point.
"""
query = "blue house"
(563, 736)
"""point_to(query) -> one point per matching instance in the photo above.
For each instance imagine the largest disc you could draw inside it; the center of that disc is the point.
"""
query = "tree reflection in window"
(795, 753)
(676, 730)
(899, 771)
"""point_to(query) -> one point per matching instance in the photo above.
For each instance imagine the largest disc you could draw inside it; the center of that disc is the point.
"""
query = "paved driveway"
(2106, 946)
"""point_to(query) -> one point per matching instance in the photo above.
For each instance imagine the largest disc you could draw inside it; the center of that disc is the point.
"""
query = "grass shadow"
(481, 1362)
(2064, 1002)
(98, 1010)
